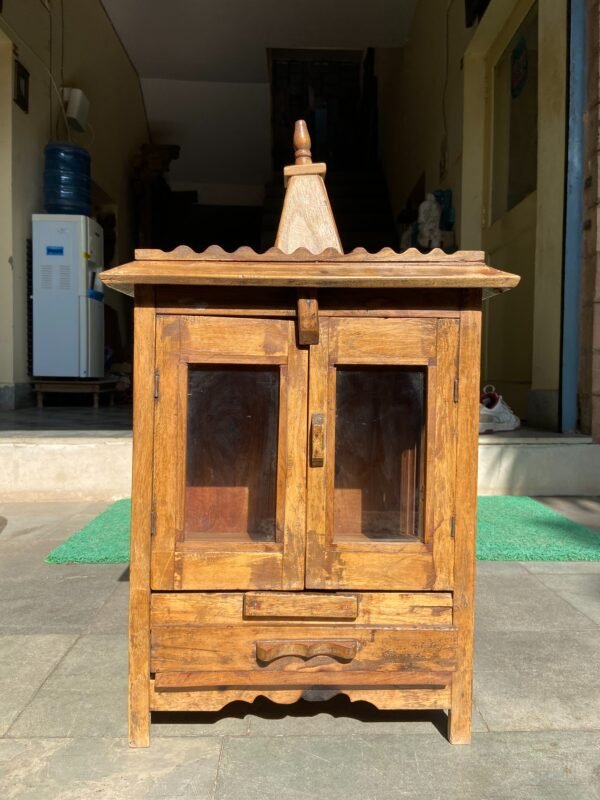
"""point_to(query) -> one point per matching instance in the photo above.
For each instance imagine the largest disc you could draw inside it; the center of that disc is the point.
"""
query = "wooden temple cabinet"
(304, 476)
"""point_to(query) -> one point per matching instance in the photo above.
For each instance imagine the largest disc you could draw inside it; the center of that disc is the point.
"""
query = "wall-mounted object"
(21, 87)
(304, 469)
(77, 108)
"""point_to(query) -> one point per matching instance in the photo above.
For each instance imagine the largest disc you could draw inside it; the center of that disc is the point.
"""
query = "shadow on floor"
(338, 706)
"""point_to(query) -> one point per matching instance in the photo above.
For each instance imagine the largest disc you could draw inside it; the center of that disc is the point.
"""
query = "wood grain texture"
(244, 337)
(442, 455)
(364, 273)
(459, 731)
(383, 698)
(169, 453)
(139, 577)
(308, 320)
(328, 255)
(271, 649)
(316, 478)
(302, 143)
(257, 302)
(229, 566)
(217, 647)
(385, 341)
(412, 609)
(318, 168)
(306, 219)
(199, 680)
(295, 447)
(286, 605)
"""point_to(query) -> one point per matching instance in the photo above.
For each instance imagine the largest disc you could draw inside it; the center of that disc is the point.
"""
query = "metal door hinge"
(453, 527)
(152, 523)
(456, 390)
(156, 383)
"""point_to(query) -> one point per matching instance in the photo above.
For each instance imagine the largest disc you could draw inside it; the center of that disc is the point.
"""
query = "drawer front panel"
(413, 609)
(315, 648)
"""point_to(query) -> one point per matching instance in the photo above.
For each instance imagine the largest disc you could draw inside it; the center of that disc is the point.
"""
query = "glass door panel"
(379, 438)
(382, 461)
(231, 454)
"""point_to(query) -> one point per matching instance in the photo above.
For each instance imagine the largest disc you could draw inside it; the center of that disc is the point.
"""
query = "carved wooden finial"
(302, 143)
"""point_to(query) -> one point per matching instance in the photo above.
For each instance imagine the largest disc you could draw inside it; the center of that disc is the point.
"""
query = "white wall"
(225, 149)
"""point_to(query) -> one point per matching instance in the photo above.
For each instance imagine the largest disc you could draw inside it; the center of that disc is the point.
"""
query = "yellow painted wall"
(6, 282)
(89, 55)
(541, 263)
(441, 59)
(413, 82)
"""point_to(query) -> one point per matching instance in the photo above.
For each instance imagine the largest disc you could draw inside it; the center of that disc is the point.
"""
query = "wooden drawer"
(201, 641)
(355, 608)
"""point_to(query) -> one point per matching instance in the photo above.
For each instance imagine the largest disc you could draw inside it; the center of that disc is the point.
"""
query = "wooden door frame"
(227, 565)
(428, 564)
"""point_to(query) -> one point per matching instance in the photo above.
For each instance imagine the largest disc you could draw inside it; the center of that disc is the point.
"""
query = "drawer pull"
(300, 606)
(317, 440)
(341, 649)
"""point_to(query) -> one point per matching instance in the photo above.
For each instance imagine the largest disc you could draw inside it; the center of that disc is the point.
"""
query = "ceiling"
(204, 72)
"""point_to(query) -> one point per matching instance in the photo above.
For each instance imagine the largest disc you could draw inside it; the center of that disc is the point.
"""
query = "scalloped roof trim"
(217, 253)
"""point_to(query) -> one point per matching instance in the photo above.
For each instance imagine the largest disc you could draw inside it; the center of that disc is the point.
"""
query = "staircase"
(360, 205)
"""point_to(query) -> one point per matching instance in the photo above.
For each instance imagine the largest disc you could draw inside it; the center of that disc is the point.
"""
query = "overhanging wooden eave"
(359, 269)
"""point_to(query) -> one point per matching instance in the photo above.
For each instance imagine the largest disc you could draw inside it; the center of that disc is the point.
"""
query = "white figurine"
(429, 235)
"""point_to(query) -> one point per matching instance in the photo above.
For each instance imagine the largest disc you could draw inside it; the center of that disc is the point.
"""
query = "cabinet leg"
(459, 716)
(40, 399)
(139, 715)
(96, 400)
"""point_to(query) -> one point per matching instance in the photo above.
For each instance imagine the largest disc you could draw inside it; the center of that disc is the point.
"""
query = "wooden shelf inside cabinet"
(299, 519)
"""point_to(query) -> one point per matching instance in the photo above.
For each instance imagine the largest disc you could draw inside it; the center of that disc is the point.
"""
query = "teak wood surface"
(304, 470)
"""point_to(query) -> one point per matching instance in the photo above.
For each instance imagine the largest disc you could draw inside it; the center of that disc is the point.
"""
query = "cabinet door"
(229, 454)
(382, 454)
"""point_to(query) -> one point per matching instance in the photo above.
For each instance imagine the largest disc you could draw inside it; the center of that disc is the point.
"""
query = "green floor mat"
(521, 529)
(104, 540)
(508, 529)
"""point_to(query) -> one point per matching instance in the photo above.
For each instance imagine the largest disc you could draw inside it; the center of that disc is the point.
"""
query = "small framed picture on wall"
(21, 87)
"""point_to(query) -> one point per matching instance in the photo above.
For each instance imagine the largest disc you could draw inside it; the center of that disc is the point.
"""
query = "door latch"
(317, 440)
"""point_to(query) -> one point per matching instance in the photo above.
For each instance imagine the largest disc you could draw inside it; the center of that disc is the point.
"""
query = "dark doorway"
(330, 89)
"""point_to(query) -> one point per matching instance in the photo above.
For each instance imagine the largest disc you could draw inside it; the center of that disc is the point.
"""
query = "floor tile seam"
(353, 734)
(532, 731)
(324, 736)
(541, 583)
(570, 629)
(479, 712)
(566, 600)
(213, 793)
(560, 572)
(41, 686)
(88, 631)
(594, 626)
(217, 735)
(92, 737)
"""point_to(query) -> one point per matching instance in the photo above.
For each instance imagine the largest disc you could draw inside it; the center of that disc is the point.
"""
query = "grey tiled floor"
(63, 675)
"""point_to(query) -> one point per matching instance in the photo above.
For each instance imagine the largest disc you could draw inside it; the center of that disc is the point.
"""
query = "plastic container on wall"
(67, 179)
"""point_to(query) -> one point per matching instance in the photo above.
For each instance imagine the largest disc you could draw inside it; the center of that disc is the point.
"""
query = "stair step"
(43, 467)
